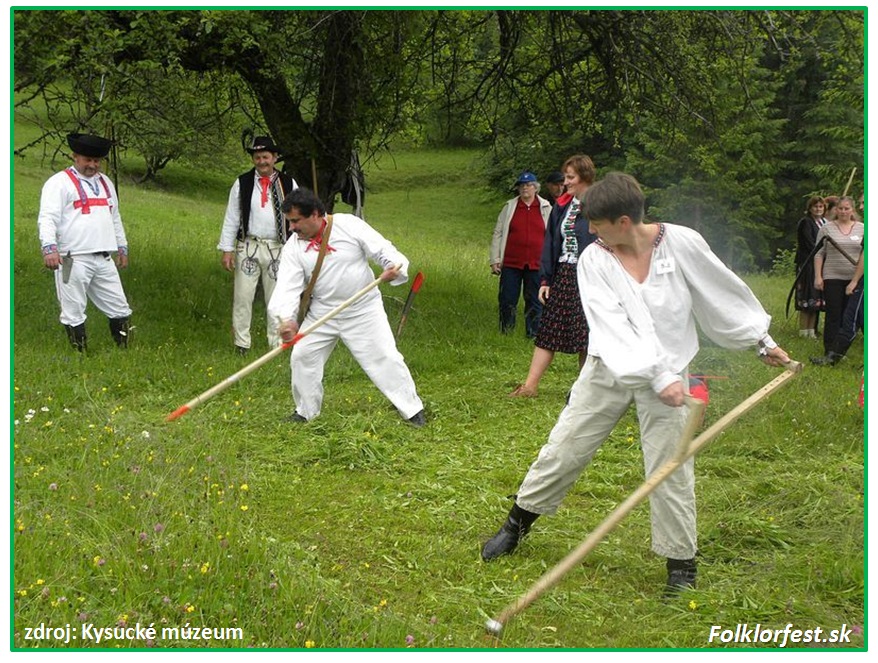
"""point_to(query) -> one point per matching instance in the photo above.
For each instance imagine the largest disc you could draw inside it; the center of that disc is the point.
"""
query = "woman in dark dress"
(563, 327)
(809, 301)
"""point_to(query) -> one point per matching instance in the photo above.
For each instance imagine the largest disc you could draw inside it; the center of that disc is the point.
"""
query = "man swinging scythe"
(363, 327)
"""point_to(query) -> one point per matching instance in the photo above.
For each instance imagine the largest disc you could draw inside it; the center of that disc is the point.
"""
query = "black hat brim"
(87, 145)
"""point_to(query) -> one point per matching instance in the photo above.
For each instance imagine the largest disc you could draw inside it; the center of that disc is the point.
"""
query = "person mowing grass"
(348, 244)
(643, 286)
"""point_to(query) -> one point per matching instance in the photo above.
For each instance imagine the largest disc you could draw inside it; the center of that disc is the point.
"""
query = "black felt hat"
(89, 146)
(262, 144)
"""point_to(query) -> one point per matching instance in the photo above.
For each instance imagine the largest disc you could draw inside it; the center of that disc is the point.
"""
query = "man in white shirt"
(362, 326)
(80, 227)
(643, 287)
(253, 234)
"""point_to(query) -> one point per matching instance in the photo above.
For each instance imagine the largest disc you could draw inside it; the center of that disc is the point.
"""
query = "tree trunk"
(335, 126)
(326, 144)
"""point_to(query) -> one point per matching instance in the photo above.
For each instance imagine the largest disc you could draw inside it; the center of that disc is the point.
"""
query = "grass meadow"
(356, 531)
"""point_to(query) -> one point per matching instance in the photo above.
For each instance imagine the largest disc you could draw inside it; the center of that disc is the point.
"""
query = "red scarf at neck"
(317, 240)
(265, 182)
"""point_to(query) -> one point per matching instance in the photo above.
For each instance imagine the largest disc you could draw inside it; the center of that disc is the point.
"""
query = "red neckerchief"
(266, 183)
(563, 199)
(317, 240)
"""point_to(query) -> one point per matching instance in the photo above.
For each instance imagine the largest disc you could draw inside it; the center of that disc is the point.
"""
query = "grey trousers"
(597, 403)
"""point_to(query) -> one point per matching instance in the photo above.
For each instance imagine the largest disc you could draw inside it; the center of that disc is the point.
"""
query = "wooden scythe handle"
(687, 450)
(268, 356)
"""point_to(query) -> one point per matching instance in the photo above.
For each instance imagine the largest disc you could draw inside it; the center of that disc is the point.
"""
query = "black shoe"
(681, 575)
(77, 337)
(418, 420)
(296, 418)
(241, 351)
(830, 359)
(511, 532)
(119, 328)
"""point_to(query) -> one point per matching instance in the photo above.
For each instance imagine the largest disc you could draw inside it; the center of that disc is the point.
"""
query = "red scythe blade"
(416, 285)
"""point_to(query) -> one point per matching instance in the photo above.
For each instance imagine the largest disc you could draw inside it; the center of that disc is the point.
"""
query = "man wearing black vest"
(254, 232)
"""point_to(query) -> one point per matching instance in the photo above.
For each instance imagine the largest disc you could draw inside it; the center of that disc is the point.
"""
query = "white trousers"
(253, 262)
(597, 403)
(93, 276)
(366, 333)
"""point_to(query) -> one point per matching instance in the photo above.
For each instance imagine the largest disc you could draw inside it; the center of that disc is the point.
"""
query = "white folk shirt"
(62, 222)
(262, 222)
(645, 332)
(345, 268)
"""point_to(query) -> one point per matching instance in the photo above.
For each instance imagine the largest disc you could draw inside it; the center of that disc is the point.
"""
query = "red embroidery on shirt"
(84, 203)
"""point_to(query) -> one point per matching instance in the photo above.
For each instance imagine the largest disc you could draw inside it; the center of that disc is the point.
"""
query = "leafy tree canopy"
(730, 119)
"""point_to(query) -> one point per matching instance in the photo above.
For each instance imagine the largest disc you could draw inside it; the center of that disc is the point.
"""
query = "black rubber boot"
(77, 336)
(119, 330)
(512, 531)
(830, 359)
(681, 575)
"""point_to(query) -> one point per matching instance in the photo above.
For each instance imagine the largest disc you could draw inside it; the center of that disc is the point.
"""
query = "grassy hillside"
(355, 530)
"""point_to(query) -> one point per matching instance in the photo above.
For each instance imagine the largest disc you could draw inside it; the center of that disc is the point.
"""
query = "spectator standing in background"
(516, 249)
(253, 234)
(80, 227)
(835, 265)
(554, 187)
(563, 327)
(808, 300)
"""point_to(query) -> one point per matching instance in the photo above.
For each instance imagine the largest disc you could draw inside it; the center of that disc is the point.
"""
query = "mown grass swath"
(355, 530)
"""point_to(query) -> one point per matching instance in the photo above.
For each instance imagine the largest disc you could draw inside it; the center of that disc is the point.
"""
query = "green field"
(356, 530)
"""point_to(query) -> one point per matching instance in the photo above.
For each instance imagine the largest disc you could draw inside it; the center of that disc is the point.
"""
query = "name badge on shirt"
(664, 266)
(855, 238)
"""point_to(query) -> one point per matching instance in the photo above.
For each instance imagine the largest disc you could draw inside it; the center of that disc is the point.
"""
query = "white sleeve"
(380, 250)
(232, 221)
(291, 282)
(51, 206)
(118, 229)
(724, 306)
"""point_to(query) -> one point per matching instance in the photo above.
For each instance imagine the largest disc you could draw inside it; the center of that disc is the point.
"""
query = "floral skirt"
(808, 298)
(563, 327)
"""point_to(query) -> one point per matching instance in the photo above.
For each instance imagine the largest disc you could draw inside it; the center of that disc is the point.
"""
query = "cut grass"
(355, 530)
